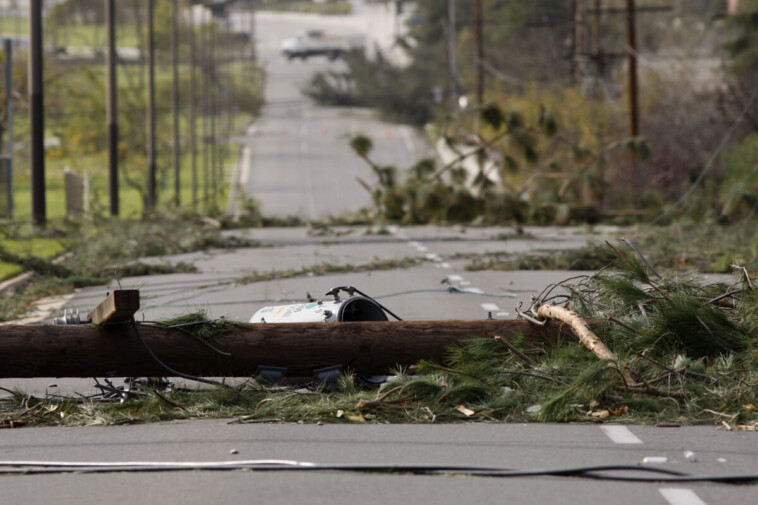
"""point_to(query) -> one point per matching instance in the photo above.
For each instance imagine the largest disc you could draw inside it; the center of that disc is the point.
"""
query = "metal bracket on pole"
(328, 374)
(270, 374)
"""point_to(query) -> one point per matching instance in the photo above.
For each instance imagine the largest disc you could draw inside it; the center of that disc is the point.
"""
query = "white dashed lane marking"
(620, 434)
(681, 496)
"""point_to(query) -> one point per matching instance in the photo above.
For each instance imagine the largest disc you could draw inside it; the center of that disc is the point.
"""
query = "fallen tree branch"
(514, 350)
(586, 336)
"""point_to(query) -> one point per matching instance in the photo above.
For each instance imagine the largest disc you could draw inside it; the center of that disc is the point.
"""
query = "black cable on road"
(660, 475)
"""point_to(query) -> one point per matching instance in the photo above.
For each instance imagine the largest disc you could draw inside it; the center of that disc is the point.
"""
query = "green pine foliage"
(686, 353)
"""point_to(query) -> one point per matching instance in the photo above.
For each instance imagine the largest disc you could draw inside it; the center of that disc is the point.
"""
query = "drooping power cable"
(171, 371)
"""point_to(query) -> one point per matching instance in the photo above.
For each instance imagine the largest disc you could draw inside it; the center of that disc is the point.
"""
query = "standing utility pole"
(8, 49)
(631, 58)
(175, 97)
(112, 108)
(579, 39)
(631, 49)
(214, 108)
(150, 203)
(192, 132)
(479, 51)
(36, 114)
(450, 49)
(206, 108)
(597, 49)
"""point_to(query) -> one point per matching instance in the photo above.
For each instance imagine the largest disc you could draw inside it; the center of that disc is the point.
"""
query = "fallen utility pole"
(367, 347)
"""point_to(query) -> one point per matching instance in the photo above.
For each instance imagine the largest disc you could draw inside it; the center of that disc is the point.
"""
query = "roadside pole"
(36, 115)
(150, 203)
(634, 129)
(8, 49)
(175, 97)
(479, 52)
(112, 110)
(192, 119)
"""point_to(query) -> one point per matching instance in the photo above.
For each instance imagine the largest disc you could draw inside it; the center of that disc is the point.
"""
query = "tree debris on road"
(677, 352)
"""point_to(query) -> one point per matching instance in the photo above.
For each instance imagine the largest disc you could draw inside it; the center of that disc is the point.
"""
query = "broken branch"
(586, 336)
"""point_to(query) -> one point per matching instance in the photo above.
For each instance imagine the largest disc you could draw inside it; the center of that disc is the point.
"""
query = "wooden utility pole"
(631, 50)
(452, 83)
(205, 68)
(367, 347)
(151, 155)
(192, 120)
(579, 39)
(479, 51)
(213, 109)
(112, 108)
(8, 50)
(175, 97)
(36, 115)
(597, 48)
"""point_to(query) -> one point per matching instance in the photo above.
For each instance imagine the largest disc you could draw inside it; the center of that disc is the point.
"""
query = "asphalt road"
(414, 293)
(515, 446)
(296, 159)
(309, 171)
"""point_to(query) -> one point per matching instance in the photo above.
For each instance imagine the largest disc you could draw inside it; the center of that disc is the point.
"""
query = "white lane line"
(422, 248)
(413, 243)
(434, 257)
(681, 496)
(445, 265)
(490, 307)
(454, 278)
(620, 434)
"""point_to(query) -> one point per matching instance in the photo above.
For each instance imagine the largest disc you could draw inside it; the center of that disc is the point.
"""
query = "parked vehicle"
(317, 43)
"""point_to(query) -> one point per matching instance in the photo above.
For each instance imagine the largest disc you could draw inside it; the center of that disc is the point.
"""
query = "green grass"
(331, 7)
(39, 247)
(74, 34)
(95, 165)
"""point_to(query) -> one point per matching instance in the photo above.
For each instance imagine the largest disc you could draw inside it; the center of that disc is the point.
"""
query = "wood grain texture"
(367, 348)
